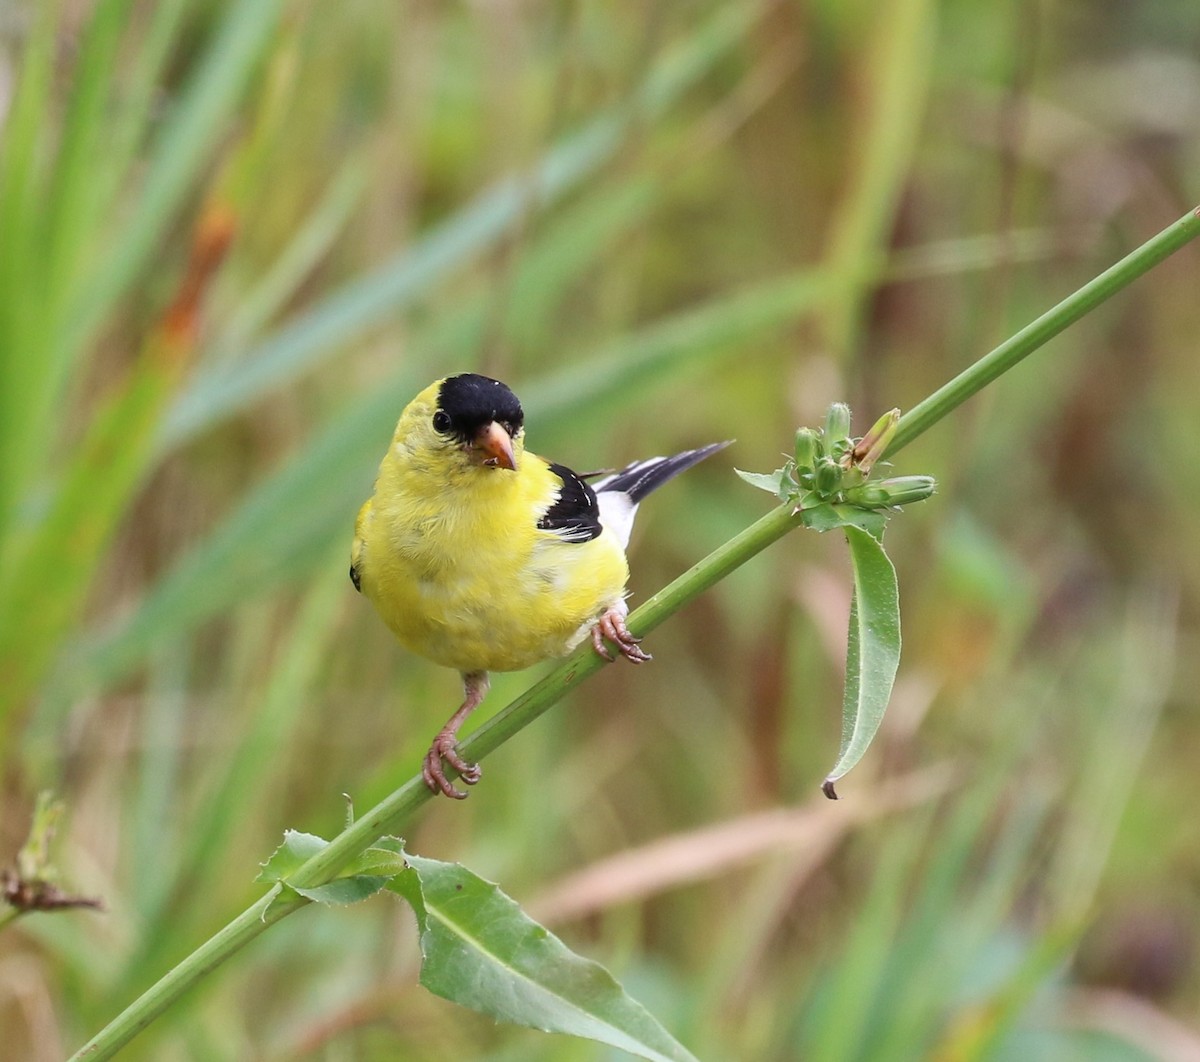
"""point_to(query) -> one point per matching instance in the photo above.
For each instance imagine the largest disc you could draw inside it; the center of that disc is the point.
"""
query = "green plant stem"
(386, 816)
(991, 366)
(390, 812)
(268, 910)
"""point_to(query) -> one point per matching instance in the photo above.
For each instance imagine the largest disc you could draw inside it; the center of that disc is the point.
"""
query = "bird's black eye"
(441, 421)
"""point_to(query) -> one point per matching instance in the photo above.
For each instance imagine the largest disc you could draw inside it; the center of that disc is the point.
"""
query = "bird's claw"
(611, 625)
(435, 775)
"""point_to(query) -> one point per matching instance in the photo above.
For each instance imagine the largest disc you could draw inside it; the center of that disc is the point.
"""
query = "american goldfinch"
(484, 557)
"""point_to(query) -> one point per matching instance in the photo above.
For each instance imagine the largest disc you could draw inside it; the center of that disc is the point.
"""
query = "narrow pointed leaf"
(872, 650)
(771, 482)
(480, 950)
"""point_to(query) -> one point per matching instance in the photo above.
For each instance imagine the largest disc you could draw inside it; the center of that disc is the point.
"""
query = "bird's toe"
(434, 773)
(611, 625)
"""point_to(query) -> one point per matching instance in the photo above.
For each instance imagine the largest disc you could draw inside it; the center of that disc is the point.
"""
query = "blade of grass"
(298, 658)
(371, 299)
(156, 789)
(178, 157)
(83, 151)
(49, 569)
(895, 70)
(994, 364)
(23, 372)
(838, 1021)
(130, 124)
(297, 260)
(949, 927)
(44, 587)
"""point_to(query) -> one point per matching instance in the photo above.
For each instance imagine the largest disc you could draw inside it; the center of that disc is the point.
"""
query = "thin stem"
(991, 366)
(275, 905)
(394, 809)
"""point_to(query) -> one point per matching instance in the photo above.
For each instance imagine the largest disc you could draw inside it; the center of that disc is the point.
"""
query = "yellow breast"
(463, 576)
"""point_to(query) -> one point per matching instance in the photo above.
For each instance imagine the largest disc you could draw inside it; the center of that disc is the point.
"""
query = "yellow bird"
(484, 557)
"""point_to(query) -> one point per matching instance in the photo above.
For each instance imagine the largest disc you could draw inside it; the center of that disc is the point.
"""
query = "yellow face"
(437, 433)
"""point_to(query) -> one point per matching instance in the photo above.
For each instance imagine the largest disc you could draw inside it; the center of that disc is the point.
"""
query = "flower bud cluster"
(829, 466)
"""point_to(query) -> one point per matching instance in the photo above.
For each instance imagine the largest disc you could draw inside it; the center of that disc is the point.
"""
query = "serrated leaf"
(378, 860)
(342, 891)
(872, 521)
(827, 516)
(366, 875)
(295, 849)
(771, 482)
(872, 649)
(482, 951)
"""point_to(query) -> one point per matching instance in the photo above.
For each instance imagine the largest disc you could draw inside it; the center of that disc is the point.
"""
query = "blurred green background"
(235, 238)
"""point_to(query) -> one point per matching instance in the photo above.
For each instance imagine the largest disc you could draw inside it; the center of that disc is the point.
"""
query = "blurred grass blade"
(296, 261)
(894, 73)
(178, 157)
(872, 650)
(372, 299)
(254, 764)
(48, 571)
(50, 564)
(480, 950)
(25, 374)
(836, 1024)
(82, 153)
(59, 187)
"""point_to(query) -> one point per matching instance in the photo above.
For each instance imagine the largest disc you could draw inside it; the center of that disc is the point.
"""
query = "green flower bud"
(900, 490)
(837, 424)
(827, 477)
(903, 490)
(808, 449)
(868, 496)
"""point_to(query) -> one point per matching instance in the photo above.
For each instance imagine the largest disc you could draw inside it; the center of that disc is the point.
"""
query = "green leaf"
(343, 891)
(771, 482)
(481, 951)
(296, 848)
(872, 650)
(368, 874)
(827, 517)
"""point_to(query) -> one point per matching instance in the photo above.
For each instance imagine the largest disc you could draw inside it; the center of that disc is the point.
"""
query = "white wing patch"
(617, 510)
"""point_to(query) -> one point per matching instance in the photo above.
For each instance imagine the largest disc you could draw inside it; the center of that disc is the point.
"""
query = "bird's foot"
(611, 625)
(435, 774)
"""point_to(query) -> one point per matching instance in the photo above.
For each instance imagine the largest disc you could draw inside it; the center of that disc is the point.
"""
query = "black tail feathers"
(640, 478)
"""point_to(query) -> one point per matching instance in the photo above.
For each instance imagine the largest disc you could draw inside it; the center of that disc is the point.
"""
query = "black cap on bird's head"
(482, 414)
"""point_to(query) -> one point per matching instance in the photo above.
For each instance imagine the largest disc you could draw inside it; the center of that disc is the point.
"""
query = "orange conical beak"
(496, 443)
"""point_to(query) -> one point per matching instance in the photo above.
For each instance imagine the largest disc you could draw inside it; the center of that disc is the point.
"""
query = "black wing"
(574, 514)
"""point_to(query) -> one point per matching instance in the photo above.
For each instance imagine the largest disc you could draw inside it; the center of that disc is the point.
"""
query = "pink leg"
(476, 685)
(611, 625)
